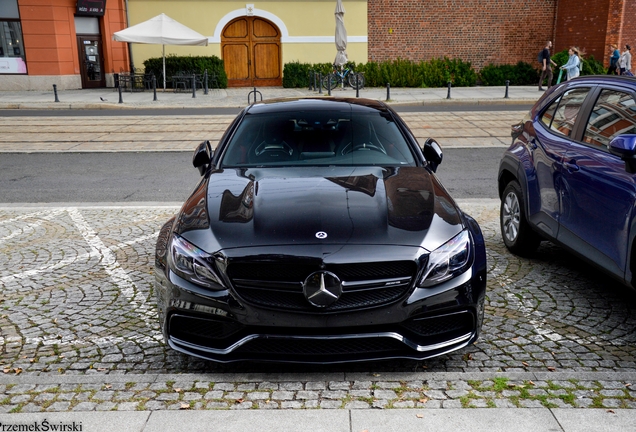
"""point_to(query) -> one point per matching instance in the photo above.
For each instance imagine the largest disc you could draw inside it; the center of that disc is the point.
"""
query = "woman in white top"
(572, 67)
(625, 62)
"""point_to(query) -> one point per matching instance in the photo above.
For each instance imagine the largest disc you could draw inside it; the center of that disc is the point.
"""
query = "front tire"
(517, 234)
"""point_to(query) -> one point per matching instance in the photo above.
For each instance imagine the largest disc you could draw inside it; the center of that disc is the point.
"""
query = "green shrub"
(399, 73)
(520, 74)
(190, 64)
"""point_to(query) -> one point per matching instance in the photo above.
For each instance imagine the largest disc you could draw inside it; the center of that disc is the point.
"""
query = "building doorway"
(91, 61)
(251, 52)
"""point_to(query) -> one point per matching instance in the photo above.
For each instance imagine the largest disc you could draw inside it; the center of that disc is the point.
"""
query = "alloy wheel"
(511, 217)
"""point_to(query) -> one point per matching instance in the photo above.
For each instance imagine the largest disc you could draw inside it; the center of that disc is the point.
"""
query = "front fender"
(517, 164)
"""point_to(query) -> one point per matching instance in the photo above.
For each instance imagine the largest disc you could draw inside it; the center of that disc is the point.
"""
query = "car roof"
(317, 104)
(604, 79)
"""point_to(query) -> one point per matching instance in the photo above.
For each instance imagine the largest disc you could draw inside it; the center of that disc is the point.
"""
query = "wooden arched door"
(251, 52)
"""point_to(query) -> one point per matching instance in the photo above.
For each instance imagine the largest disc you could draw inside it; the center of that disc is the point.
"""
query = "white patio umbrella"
(341, 35)
(161, 30)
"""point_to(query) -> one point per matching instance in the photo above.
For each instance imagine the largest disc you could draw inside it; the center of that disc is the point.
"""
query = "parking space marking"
(68, 261)
(48, 215)
(112, 267)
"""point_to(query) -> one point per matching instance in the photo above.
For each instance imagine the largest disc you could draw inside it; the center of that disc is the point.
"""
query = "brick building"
(496, 31)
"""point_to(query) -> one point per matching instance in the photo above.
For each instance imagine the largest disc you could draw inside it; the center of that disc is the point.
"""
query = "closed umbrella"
(341, 35)
(161, 30)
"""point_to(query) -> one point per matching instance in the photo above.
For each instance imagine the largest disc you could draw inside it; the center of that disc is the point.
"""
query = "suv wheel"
(515, 230)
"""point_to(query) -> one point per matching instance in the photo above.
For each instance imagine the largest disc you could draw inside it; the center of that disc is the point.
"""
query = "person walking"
(614, 57)
(546, 68)
(573, 67)
(625, 62)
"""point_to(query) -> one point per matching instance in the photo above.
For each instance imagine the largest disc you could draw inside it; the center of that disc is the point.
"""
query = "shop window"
(12, 59)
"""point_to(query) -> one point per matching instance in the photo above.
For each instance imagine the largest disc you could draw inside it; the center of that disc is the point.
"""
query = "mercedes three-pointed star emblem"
(322, 288)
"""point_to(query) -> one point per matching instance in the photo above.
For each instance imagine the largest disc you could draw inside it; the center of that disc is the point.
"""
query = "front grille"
(279, 285)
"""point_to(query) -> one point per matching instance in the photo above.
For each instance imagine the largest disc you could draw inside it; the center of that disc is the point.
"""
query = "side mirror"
(624, 146)
(432, 153)
(202, 156)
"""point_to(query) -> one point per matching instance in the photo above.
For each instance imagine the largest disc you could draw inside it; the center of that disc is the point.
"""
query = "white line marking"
(31, 226)
(73, 260)
(112, 267)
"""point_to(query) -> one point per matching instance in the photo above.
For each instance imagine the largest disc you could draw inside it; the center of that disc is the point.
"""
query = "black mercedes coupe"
(319, 233)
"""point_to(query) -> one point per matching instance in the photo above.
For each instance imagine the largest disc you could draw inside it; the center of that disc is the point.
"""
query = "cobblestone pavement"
(185, 132)
(78, 331)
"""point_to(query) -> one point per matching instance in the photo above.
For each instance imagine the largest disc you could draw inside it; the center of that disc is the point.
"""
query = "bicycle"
(355, 80)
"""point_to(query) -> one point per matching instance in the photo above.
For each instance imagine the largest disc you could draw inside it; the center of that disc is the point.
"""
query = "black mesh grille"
(201, 331)
(447, 325)
(304, 347)
(279, 285)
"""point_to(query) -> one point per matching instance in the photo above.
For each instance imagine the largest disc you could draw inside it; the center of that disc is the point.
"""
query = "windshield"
(339, 138)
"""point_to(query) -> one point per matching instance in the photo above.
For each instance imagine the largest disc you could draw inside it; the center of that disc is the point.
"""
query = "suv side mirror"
(202, 156)
(432, 153)
(624, 146)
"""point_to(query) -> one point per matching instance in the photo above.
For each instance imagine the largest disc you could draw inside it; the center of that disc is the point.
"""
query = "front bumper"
(221, 327)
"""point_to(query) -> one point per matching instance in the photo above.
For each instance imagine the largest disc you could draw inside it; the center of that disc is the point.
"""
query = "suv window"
(561, 114)
(614, 114)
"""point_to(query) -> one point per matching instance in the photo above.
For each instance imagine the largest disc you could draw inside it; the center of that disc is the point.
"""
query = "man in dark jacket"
(546, 69)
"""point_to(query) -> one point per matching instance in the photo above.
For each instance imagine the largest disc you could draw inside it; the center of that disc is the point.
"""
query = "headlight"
(193, 264)
(448, 260)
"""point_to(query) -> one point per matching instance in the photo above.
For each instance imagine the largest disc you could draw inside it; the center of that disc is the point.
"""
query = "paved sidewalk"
(182, 132)
(108, 98)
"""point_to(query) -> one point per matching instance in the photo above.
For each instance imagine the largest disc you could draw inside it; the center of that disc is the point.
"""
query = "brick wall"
(478, 31)
(628, 35)
(591, 25)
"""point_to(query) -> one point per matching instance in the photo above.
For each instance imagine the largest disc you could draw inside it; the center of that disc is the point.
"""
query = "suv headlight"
(448, 260)
(193, 264)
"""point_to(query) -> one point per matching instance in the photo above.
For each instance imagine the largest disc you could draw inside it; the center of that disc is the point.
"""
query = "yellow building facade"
(278, 31)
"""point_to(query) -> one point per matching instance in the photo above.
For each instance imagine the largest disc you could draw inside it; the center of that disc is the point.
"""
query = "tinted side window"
(614, 114)
(561, 114)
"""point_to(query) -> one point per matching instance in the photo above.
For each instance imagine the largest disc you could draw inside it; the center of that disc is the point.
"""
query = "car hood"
(404, 206)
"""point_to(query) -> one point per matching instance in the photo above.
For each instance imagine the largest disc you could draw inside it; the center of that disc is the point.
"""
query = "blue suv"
(570, 174)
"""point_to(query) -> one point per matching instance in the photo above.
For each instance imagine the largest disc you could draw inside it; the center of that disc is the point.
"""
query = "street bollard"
(121, 99)
(205, 81)
(388, 91)
(507, 84)
(314, 79)
(55, 92)
(320, 82)
(154, 88)
(449, 91)
(357, 85)
(194, 86)
(329, 84)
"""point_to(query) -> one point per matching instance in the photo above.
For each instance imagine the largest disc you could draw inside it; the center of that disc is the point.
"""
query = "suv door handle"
(571, 166)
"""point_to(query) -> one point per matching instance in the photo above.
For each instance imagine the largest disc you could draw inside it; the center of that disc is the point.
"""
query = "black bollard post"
(388, 91)
(121, 100)
(55, 92)
(507, 84)
(205, 75)
(314, 74)
(320, 82)
(154, 87)
(357, 85)
(329, 84)
(449, 91)
(194, 86)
